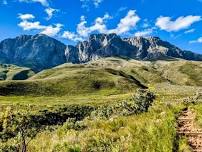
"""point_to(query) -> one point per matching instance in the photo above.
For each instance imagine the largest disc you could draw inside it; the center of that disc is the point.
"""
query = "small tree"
(19, 124)
(27, 129)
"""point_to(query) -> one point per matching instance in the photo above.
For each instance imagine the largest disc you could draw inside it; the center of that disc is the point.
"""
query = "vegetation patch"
(12, 72)
(194, 73)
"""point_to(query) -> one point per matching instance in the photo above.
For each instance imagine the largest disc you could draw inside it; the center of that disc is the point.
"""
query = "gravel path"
(186, 127)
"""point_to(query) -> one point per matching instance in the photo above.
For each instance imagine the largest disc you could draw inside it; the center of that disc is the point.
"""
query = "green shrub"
(64, 147)
(139, 103)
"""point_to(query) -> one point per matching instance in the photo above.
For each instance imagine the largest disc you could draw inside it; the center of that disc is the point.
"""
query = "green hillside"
(108, 76)
(12, 72)
(74, 83)
(106, 105)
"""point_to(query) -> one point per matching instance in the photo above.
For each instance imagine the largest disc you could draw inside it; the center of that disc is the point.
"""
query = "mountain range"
(41, 52)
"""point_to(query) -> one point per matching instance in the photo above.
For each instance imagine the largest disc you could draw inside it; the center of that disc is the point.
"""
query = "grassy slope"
(12, 72)
(151, 131)
(102, 82)
(81, 82)
(70, 80)
(100, 79)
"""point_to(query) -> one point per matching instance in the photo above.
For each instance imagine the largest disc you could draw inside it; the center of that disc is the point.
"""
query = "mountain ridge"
(41, 52)
(37, 52)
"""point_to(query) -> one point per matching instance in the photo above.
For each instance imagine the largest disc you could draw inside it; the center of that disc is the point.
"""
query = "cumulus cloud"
(199, 40)
(42, 2)
(50, 12)
(183, 22)
(83, 31)
(26, 16)
(146, 32)
(52, 30)
(99, 26)
(72, 36)
(126, 24)
(27, 24)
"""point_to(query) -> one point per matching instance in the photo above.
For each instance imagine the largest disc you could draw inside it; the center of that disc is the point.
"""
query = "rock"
(37, 52)
(41, 52)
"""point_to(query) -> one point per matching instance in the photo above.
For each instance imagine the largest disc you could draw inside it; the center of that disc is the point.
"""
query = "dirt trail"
(186, 127)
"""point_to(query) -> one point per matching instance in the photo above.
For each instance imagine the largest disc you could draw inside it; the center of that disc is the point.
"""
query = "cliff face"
(41, 52)
(37, 52)
(101, 45)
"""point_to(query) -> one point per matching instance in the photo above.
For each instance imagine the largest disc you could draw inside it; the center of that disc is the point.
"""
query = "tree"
(19, 125)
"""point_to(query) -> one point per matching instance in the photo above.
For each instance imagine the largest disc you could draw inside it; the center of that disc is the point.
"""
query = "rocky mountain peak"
(37, 52)
(41, 51)
(102, 36)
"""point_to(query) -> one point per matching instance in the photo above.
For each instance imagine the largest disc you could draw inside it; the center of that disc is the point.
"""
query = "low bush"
(139, 103)
(23, 126)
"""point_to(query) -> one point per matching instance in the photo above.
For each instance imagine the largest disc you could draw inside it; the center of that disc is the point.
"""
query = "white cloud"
(72, 36)
(146, 23)
(146, 32)
(52, 30)
(50, 12)
(97, 2)
(189, 31)
(27, 25)
(199, 40)
(127, 23)
(26, 16)
(43, 2)
(83, 31)
(183, 22)
(99, 26)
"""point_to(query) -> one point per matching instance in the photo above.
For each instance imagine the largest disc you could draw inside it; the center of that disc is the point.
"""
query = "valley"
(99, 106)
(100, 76)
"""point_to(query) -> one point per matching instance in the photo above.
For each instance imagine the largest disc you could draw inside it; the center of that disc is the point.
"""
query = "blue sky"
(176, 21)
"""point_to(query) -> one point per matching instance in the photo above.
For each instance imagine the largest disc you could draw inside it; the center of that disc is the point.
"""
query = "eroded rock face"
(153, 48)
(37, 52)
(41, 52)
(101, 45)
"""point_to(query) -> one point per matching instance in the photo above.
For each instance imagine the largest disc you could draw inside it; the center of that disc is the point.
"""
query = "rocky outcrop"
(140, 48)
(153, 48)
(100, 45)
(37, 52)
(41, 52)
